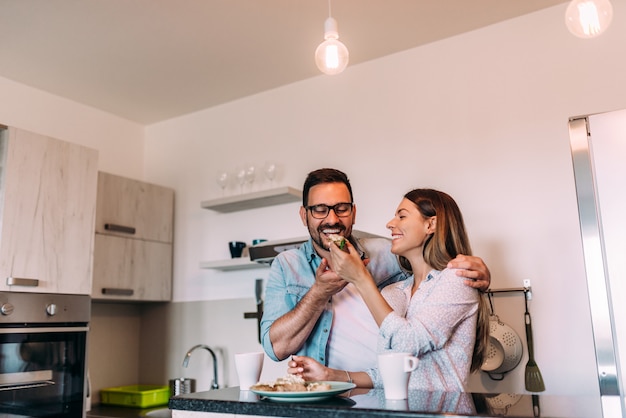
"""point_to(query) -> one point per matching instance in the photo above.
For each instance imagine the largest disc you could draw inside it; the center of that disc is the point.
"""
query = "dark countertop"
(372, 404)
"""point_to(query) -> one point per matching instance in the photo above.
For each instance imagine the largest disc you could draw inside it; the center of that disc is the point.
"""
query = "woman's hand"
(308, 369)
(313, 371)
(348, 264)
(350, 267)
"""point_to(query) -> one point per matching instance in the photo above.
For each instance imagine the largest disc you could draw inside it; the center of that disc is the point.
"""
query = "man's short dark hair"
(322, 176)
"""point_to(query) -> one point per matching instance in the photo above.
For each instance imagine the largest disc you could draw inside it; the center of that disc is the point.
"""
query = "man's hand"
(327, 282)
(289, 332)
(473, 269)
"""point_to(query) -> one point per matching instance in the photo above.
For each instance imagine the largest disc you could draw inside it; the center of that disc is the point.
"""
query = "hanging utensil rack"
(526, 289)
(533, 379)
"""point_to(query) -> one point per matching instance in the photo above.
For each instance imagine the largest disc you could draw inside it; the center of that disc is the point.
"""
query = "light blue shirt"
(293, 273)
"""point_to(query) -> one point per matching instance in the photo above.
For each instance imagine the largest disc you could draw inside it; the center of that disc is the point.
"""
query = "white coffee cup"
(395, 370)
(249, 367)
(397, 404)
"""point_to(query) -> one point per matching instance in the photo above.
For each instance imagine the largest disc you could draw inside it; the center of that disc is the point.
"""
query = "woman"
(432, 314)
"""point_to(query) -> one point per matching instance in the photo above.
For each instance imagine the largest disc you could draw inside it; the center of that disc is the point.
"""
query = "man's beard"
(317, 234)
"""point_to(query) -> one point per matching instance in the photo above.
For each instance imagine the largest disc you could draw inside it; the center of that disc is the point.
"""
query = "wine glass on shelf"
(270, 171)
(250, 175)
(241, 177)
(222, 180)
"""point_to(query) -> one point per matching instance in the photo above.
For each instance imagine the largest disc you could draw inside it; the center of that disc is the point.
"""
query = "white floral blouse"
(437, 324)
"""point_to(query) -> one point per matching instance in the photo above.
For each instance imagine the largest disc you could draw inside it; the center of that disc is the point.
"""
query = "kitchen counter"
(372, 404)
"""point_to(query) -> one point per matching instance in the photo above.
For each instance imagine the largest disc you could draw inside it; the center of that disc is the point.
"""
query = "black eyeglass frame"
(329, 208)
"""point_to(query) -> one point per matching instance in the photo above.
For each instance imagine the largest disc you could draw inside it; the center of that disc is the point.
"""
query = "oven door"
(42, 370)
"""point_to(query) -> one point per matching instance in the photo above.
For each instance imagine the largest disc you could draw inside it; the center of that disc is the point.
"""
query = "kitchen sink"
(159, 413)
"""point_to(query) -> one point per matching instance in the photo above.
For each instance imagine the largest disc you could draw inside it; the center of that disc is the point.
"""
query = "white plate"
(336, 388)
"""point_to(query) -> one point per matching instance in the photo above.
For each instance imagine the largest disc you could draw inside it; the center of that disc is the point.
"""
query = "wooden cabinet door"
(134, 209)
(48, 214)
(133, 244)
(132, 269)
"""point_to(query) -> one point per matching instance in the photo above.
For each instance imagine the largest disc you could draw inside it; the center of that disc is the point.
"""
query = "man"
(309, 309)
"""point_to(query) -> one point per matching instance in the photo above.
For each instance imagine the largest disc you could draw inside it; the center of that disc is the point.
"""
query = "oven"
(43, 353)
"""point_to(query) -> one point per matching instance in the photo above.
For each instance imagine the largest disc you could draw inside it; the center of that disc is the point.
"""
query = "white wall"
(119, 142)
(482, 116)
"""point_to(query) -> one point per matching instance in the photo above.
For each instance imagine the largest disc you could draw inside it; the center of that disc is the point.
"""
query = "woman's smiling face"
(409, 229)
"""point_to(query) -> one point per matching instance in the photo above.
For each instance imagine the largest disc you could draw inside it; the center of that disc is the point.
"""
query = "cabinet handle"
(119, 228)
(117, 292)
(17, 281)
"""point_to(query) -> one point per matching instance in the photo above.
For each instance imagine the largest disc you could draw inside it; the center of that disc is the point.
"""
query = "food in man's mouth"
(339, 241)
(291, 383)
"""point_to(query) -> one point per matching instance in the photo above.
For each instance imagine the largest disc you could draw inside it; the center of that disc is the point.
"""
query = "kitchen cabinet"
(47, 212)
(133, 240)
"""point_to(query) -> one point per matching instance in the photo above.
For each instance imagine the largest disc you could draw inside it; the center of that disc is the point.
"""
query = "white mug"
(249, 367)
(395, 370)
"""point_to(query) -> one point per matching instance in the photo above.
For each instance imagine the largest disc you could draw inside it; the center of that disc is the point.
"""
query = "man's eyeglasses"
(321, 211)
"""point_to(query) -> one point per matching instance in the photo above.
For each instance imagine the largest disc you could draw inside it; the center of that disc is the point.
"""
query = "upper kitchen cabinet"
(47, 212)
(134, 209)
(133, 240)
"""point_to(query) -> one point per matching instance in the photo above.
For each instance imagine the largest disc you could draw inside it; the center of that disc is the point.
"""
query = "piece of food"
(265, 387)
(339, 241)
(318, 386)
(291, 383)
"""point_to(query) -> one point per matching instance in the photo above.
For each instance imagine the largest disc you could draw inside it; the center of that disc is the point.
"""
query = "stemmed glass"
(222, 180)
(270, 171)
(250, 175)
(241, 177)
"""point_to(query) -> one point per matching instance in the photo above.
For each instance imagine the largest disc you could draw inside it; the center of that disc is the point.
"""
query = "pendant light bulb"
(588, 18)
(331, 56)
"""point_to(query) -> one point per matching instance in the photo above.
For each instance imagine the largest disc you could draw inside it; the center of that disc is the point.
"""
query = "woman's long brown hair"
(449, 240)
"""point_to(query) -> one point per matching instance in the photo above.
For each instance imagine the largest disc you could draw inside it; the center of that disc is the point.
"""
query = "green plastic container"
(138, 396)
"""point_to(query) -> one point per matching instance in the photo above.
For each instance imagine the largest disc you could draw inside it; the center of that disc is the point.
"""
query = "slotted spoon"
(532, 375)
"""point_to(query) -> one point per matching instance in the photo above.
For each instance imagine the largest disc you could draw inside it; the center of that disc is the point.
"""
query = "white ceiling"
(151, 60)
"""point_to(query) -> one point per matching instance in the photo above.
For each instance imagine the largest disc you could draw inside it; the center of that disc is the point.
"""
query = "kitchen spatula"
(532, 375)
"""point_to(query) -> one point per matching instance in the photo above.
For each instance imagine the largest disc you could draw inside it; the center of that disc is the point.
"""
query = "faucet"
(214, 384)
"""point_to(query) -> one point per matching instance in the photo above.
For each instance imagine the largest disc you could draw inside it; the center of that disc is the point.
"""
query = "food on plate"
(291, 383)
(339, 241)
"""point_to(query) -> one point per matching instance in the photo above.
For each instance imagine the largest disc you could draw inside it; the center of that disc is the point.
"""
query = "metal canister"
(181, 386)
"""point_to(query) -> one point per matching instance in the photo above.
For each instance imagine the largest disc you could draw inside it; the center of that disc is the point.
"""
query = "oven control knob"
(51, 309)
(6, 309)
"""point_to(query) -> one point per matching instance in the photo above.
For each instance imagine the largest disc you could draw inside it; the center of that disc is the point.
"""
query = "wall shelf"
(270, 197)
(242, 263)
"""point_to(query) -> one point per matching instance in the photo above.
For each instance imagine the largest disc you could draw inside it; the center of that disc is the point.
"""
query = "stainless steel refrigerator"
(598, 144)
